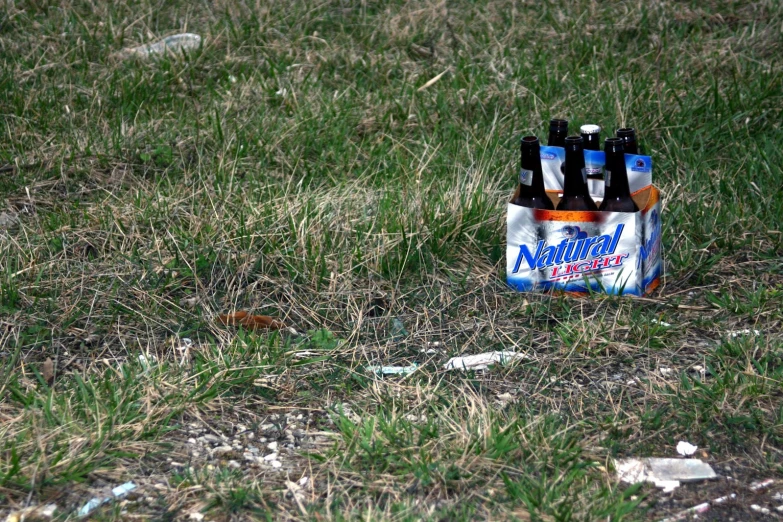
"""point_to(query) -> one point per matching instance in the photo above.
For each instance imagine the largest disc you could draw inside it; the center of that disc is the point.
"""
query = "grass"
(299, 165)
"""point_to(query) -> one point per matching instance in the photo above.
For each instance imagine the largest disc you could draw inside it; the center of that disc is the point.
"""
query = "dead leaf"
(48, 370)
(251, 322)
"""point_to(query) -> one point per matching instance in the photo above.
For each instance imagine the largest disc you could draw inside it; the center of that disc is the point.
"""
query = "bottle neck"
(531, 178)
(575, 183)
(616, 178)
(557, 137)
(592, 141)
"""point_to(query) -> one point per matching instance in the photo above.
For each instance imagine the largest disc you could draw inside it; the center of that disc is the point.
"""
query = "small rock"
(191, 441)
(252, 458)
(222, 449)
(234, 464)
(762, 510)
(196, 516)
(271, 456)
(190, 302)
(8, 220)
(278, 464)
(272, 446)
(211, 438)
(303, 481)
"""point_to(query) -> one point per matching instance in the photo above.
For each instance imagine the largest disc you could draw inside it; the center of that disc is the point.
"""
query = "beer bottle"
(575, 194)
(531, 177)
(558, 130)
(617, 195)
(628, 135)
(591, 134)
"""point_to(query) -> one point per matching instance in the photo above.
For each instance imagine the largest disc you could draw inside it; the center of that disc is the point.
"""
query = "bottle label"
(526, 177)
(608, 177)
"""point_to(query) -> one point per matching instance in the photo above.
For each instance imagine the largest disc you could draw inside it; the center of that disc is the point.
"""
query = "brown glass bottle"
(617, 194)
(558, 130)
(575, 193)
(628, 134)
(531, 177)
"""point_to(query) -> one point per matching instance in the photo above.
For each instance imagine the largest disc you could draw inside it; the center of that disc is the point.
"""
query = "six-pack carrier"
(586, 250)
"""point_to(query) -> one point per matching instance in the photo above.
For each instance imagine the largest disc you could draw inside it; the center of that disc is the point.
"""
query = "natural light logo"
(569, 258)
(547, 156)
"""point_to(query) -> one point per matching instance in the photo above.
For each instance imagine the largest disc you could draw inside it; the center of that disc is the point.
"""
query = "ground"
(344, 167)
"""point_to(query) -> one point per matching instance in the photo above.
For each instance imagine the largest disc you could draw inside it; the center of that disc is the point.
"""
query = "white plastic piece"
(393, 370)
(482, 361)
(686, 449)
(174, 44)
(664, 473)
(118, 492)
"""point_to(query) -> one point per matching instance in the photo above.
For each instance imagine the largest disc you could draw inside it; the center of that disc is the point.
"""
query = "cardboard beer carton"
(581, 251)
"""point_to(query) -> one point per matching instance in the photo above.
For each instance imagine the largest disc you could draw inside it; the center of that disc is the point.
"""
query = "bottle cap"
(590, 129)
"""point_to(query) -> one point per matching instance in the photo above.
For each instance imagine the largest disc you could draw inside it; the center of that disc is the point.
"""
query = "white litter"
(173, 44)
(482, 361)
(147, 362)
(686, 449)
(306, 353)
(393, 370)
(761, 485)
(665, 371)
(700, 508)
(118, 492)
(741, 333)
(664, 473)
(661, 323)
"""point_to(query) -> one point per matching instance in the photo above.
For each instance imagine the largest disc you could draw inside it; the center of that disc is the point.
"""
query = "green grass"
(295, 166)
